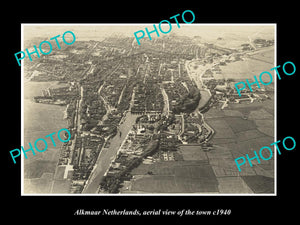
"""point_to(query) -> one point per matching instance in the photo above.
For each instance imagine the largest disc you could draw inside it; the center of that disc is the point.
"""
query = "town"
(129, 105)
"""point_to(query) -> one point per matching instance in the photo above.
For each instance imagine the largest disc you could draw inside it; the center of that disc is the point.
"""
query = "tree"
(151, 127)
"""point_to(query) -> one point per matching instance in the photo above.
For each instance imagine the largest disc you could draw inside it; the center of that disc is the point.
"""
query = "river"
(108, 154)
(196, 76)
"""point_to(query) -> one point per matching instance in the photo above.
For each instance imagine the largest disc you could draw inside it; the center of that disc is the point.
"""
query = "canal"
(108, 154)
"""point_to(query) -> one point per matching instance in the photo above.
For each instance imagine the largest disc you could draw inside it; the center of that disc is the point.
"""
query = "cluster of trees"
(189, 102)
(112, 183)
(165, 122)
(126, 97)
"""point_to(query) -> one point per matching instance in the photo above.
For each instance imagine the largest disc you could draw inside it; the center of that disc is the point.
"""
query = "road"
(166, 109)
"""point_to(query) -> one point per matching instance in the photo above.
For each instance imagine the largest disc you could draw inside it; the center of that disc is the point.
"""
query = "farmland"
(39, 121)
(246, 127)
(239, 129)
(176, 177)
(191, 152)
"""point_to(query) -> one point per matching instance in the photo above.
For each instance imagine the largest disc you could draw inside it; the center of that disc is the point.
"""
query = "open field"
(238, 124)
(266, 170)
(176, 177)
(248, 135)
(164, 168)
(221, 127)
(38, 185)
(191, 152)
(214, 113)
(39, 121)
(260, 184)
(155, 184)
(266, 54)
(260, 114)
(37, 168)
(267, 104)
(142, 169)
(241, 70)
(61, 186)
(266, 127)
(235, 113)
(222, 161)
(248, 146)
(233, 185)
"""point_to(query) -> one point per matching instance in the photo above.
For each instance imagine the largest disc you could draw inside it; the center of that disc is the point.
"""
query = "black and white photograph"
(162, 117)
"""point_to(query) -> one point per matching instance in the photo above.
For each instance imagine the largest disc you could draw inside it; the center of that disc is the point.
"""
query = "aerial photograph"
(159, 118)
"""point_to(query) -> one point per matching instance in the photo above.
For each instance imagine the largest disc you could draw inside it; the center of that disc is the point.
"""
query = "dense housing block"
(166, 31)
(23, 54)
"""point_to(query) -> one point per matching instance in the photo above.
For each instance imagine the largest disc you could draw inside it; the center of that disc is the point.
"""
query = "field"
(265, 55)
(266, 127)
(240, 129)
(260, 184)
(238, 124)
(241, 70)
(248, 146)
(176, 177)
(61, 186)
(222, 128)
(155, 184)
(38, 167)
(40, 120)
(248, 135)
(260, 114)
(38, 185)
(191, 152)
(233, 185)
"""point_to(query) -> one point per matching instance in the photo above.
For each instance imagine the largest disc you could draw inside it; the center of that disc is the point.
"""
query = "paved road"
(166, 109)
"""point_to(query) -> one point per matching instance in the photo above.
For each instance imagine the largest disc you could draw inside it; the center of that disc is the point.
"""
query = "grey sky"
(99, 31)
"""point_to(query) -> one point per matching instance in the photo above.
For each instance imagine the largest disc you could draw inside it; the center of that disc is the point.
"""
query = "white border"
(142, 24)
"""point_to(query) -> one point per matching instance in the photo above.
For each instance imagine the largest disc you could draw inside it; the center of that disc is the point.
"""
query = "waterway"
(196, 75)
(205, 96)
(108, 154)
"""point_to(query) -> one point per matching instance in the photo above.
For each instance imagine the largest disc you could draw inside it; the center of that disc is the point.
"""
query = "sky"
(85, 32)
